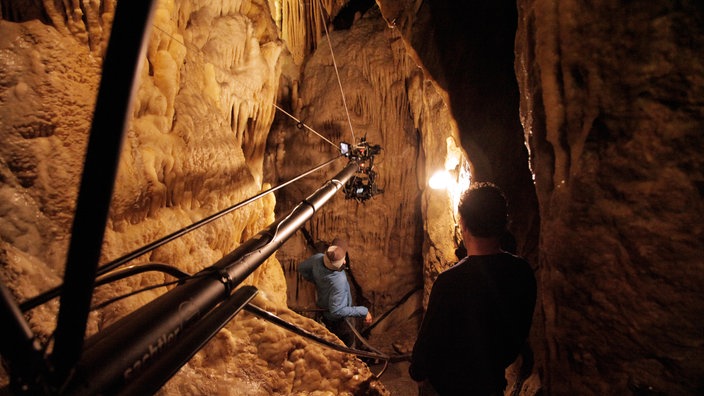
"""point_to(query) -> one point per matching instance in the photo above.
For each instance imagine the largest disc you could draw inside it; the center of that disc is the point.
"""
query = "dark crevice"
(24, 11)
(344, 19)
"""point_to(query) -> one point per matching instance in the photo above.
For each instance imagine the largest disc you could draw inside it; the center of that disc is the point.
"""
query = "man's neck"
(481, 246)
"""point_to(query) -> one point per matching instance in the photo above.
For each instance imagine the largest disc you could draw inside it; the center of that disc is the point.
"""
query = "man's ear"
(463, 229)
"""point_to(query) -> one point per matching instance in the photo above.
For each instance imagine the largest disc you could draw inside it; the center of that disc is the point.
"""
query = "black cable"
(268, 316)
(124, 273)
(138, 269)
(132, 293)
(308, 238)
(388, 312)
(180, 275)
(368, 346)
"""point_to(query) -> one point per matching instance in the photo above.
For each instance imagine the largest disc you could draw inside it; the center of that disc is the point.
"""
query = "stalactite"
(548, 51)
(182, 161)
(84, 20)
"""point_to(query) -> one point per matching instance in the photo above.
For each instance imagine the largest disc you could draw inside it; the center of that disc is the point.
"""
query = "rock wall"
(608, 104)
(612, 111)
(389, 103)
(588, 115)
(194, 146)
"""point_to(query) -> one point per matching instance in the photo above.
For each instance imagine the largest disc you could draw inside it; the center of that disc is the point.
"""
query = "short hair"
(483, 210)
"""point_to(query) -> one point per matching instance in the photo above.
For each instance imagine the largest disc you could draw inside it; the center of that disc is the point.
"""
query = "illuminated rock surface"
(606, 201)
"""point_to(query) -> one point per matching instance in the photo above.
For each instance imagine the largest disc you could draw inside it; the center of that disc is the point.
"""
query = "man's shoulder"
(338, 275)
(517, 262)
(478, 266)
(464, 265)
(314, 257)
(461, 272)
(497, 259)
(308, 263)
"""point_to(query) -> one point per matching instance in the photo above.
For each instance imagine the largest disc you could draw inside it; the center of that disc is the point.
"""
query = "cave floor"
(394, 341)
(395, 379)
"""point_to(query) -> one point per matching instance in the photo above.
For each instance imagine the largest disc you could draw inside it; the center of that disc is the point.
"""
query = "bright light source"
(440, 180)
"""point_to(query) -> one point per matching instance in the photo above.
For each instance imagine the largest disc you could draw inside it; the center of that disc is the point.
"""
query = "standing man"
(480, 311)
(326, 270)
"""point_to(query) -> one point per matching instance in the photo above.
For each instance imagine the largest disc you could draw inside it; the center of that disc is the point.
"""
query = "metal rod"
(19, 347)
(156, 375)
(123, 58)
(200, 223)
(115, 356)
(52, 293)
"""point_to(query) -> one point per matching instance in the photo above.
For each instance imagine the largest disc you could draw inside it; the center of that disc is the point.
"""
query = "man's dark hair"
(483, 210)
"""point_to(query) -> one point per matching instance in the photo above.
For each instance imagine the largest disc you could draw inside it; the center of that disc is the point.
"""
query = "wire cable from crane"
(370, 353)
(337, 73)
(197, 52)
(52, 293)
(299, 122)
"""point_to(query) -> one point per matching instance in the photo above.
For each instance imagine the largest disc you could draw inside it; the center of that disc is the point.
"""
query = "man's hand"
(368, 319)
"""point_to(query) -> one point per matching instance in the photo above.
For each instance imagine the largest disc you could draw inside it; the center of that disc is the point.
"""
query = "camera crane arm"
(144, 349)
(122, 353)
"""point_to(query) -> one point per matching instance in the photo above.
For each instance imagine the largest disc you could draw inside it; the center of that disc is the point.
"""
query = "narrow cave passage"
(585, 114)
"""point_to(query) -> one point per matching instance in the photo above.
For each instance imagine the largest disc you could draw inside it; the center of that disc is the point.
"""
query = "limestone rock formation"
(194, 146)
(610, 107)
(589, 116)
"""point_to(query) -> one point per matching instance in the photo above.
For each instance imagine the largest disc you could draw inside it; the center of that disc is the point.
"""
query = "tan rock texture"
(194, 146)
(588, 114)
(611, 106)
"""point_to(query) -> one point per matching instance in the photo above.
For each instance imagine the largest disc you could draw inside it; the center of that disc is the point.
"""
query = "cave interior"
(197, 145)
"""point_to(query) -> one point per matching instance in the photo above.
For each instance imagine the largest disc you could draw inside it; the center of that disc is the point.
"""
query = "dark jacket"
(478, 318)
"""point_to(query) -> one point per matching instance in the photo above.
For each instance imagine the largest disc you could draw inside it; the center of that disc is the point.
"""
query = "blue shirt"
(333, 291)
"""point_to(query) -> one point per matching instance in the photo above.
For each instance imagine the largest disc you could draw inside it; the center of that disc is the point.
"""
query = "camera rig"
(362, 185)
(138, 353)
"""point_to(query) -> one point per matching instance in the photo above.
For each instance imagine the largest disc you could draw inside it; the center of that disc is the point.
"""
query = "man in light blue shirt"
(326, 271)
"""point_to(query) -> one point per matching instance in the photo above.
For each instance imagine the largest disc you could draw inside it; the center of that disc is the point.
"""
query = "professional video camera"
(362, 185)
